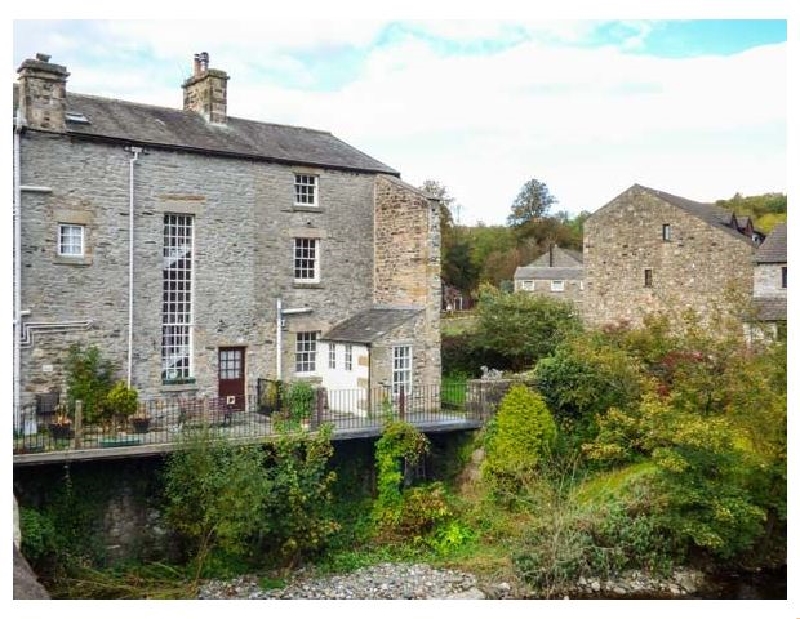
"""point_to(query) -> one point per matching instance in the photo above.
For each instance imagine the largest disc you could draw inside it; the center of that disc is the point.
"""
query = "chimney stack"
(43, 94)
(206, 91)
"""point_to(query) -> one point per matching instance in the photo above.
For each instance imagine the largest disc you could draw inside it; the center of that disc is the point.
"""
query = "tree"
(533, 201)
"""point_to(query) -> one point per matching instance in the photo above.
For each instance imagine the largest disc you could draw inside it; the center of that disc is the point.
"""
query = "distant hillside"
(765, 210)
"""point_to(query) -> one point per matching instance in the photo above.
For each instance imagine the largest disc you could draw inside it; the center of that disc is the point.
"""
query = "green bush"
(424, 507)
(89, 378)
(522, 434)
(301, 401)
(122, 400)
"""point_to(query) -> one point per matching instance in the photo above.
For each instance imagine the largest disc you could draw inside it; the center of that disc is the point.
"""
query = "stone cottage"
(648, 251)
(769, 285)
(557, 273)
(201, 252)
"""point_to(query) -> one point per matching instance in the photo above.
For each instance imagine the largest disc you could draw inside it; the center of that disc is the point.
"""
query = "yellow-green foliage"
(523, 432)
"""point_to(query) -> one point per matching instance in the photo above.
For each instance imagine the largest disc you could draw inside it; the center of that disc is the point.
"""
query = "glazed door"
(231, 377)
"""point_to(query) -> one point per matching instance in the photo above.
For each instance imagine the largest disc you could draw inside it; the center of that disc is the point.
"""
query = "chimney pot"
(43, 57)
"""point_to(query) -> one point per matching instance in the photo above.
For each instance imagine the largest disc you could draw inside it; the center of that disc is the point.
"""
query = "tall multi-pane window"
(306, 262)
(305, 359)
(70, 240)
(305, 190)
(401, 370)
(176, 313)
(666, 232)
(648, 278)
(332, 356)
(348, 357)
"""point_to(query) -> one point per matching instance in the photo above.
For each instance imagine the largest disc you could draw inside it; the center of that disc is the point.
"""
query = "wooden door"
(231, 377)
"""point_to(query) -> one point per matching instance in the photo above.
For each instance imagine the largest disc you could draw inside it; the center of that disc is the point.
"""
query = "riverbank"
(403, 581)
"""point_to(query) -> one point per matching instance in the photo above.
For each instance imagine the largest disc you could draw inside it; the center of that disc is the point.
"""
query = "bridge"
(159, 425)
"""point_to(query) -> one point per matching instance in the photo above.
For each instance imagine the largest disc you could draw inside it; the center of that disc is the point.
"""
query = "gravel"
(387, 581)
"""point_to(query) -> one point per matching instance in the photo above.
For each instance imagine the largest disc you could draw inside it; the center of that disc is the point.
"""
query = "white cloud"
(588, 122)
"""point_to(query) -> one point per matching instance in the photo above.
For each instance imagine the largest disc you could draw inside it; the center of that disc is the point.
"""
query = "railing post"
(319, 407)
(78, 423)
(402, 403)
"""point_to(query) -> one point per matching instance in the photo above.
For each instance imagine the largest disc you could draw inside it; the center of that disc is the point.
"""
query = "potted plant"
(140, 420)
(122, 400)
(61, 425)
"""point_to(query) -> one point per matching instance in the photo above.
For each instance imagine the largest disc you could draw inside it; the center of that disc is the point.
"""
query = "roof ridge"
(175, 109)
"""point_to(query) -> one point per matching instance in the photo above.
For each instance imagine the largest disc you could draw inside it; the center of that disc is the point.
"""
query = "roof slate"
(561, 258)
(770, 310)
(140, 123)
(370, 325)
(773, 249)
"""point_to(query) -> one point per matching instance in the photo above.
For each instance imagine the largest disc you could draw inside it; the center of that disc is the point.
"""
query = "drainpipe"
(278, 343)
(18, 124)
(135, 150)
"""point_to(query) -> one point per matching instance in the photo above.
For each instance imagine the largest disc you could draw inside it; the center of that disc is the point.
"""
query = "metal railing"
(267, 410)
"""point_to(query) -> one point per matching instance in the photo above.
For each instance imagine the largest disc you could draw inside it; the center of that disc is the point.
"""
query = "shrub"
(423, 508)
(89, 378)
(521, 435)
(301, 401)
(121, 399)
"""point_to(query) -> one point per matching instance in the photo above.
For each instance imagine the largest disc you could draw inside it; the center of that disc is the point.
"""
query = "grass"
(454, 391)
(458, 325)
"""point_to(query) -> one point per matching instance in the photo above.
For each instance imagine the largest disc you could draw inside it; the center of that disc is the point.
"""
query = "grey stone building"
(557, 273)
(770, 279)
(648, 251)
(200, 251)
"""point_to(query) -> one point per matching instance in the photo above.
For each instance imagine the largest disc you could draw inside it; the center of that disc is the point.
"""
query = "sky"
(694, 107)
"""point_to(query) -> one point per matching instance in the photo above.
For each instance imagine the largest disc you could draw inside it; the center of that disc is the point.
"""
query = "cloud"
(589, 120)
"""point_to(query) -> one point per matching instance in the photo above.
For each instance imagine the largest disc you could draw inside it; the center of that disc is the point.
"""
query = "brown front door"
(231, 377)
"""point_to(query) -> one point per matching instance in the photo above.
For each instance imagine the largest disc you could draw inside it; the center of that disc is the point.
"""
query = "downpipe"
(18, 125)
(135, 150)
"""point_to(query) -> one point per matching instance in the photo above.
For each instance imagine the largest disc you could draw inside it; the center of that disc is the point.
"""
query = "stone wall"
(408, 264)
(573, 290)
(702, 267)
(768, 281)
(244, 225)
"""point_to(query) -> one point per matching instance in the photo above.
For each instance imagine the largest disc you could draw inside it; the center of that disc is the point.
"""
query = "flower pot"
(140, 426)
(61, 431)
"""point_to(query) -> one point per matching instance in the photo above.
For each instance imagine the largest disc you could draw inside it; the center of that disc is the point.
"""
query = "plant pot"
(61, 431)
(140, 426)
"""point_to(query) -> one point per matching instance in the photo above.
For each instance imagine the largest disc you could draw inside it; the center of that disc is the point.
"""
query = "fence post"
(78, 423)
(319, 407)
(402, 403)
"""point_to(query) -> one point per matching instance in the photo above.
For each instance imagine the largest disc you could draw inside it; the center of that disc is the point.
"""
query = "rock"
(471, 594)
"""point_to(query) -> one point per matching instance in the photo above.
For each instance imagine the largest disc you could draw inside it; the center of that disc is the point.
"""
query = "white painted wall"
(344, 394)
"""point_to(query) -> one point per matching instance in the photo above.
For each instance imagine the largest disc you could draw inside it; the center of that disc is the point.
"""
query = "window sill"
(306, 208)
(76, 261)
(308, 285)
(180, 387)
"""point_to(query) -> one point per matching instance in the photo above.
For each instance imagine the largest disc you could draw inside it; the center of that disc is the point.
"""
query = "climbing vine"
(400, 442)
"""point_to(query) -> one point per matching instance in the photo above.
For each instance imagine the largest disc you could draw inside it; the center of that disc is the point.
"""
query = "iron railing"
(267, 410)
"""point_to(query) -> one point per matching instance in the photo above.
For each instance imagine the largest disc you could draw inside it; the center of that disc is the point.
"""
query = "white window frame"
(62, 227)
(528, 285)
(331, 356)
(408, 371)
(177, 312)
(305, 366)
(314, 246)
(306, 185)
(348, 357)
(666, 232)
(557, 285)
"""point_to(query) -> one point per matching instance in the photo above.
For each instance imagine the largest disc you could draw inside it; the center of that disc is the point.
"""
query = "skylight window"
(77, 117)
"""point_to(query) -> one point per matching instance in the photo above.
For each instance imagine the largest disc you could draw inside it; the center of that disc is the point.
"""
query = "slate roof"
(139, 123)
(370, 325)
(770, 310)
(773, 249)
(565, 273)
(561, 258)
(710, 213)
